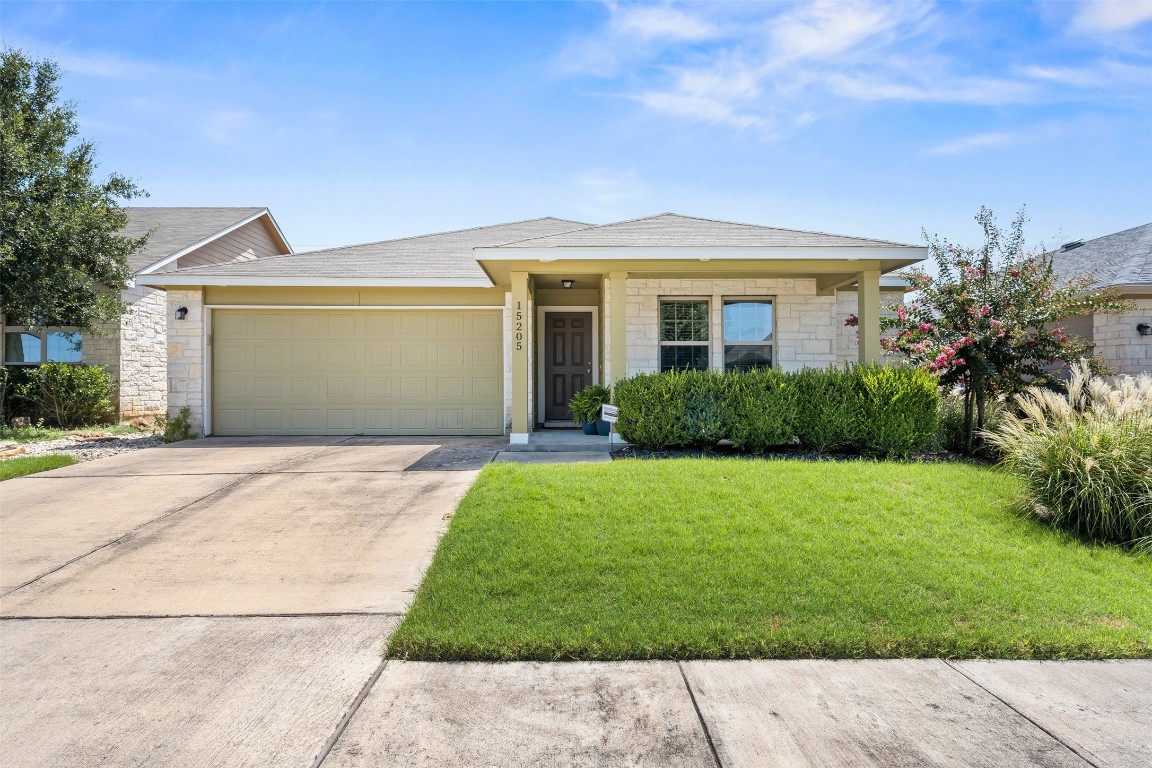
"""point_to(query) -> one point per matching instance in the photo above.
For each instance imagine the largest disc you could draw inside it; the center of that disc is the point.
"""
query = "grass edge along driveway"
(706, 559)
(30, 465)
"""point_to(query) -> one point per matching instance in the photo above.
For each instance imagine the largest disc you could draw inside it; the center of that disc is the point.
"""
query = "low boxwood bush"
(69, 395)
(1085, 458)
(876, 410)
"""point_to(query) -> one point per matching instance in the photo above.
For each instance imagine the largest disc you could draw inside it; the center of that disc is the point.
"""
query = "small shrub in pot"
(585, 406)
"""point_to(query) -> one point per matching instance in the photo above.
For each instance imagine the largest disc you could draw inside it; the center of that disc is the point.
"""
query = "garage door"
(371, 372)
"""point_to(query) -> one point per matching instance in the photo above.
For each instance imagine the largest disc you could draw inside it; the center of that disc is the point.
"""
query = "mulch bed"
(723, 451)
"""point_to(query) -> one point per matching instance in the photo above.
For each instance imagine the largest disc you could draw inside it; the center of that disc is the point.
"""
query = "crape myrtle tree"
(992, 322)
(62, 261)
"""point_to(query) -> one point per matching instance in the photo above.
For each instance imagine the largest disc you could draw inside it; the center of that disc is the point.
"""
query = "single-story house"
(135, 349)
(1122, 261)
(491, 330)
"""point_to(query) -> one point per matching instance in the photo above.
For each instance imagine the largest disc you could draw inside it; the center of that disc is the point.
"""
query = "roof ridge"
(435, 234)
(713, 221)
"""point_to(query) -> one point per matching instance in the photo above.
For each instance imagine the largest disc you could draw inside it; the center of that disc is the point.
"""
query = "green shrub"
(871, 409)
(585, 404)
(899, 409)
(176, 428)
(763, 405)
(652, 409)
(14, 390)
(69, 395)
(828, 418)
(1085, 459)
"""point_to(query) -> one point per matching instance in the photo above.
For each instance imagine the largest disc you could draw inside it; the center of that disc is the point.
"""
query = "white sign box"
(609, 413)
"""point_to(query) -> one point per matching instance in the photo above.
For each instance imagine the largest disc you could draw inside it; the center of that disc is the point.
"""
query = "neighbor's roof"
(179, 229)
(1123, 258)
(671, 230)
(444, 255)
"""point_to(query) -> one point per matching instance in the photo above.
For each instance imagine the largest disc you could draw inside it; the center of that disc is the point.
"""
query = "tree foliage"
(62, 261)
(991, 322)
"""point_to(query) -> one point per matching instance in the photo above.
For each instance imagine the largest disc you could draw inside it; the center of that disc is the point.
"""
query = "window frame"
(661, 343)
(43, 333)
(725, 343)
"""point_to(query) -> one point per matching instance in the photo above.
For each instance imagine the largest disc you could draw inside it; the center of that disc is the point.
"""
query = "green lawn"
(766, 559)
(29, 465)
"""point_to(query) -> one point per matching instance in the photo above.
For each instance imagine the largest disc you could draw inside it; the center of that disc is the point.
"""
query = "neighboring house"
(1122, 261)
(135, 350)
(490, 330)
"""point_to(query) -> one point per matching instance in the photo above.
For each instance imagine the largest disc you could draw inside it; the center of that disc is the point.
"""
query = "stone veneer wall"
(143, 354)
(186, 355)
(805, 331)
(1118, 342)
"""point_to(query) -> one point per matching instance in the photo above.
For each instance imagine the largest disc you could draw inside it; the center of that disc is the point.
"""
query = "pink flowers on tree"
(990, 323)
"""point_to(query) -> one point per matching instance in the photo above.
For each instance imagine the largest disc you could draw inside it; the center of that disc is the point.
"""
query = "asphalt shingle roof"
(674, 230)
(446, 255)
(1122, 258)
(176, 229)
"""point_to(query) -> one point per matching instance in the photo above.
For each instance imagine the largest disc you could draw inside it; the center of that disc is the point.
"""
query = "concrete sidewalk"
(754, 713)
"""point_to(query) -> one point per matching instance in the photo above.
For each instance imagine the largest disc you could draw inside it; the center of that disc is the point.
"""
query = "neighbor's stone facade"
(186, 356)
(1119, 343)
(133, 351)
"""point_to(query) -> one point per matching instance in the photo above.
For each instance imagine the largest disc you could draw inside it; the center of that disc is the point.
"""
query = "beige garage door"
(360, 372)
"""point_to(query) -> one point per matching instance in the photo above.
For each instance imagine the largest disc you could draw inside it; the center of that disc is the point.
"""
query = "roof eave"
(182, 279)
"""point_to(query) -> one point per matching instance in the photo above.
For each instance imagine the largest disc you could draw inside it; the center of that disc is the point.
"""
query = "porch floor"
(567, 441)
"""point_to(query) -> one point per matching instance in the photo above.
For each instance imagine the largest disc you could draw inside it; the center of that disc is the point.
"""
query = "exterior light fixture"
(181, 313)
(1144, 329)
(566, 283)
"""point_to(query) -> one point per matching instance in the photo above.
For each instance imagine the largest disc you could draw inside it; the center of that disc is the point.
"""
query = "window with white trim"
(747, 334)
(50, 345)
(684, 336)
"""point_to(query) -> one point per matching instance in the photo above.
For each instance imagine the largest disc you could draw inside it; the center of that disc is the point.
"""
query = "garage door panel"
(363, 372)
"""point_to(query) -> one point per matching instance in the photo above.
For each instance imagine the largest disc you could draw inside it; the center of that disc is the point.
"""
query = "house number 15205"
(519, 327)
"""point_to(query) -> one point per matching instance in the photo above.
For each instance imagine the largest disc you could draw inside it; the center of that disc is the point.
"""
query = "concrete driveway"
(215, 602)
(226, 602)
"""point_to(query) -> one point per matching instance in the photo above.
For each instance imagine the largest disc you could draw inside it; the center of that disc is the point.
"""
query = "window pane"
(64, 347)
(684, 321)
(691, 358)
(745, 357)
(747, 321)
(21, 347)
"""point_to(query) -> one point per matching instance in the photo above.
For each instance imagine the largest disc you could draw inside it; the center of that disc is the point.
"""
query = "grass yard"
(730, 558)
(30, 465)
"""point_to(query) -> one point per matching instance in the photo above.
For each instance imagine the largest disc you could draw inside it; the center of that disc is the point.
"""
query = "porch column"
(868, 310)
(618, 319)
(519, 350)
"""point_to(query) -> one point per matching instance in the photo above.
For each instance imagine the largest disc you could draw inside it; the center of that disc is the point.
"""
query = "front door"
(567, 360)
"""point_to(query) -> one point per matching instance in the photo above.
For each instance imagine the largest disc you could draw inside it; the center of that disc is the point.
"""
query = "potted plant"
(585, 408)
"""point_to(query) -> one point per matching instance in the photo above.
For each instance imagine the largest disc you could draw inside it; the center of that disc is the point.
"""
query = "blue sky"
(365, 121)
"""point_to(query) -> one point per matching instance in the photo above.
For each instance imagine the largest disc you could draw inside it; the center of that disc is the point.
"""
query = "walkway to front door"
(567, 361)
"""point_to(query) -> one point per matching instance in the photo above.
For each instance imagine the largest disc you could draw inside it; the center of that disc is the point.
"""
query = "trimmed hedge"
(870, 409)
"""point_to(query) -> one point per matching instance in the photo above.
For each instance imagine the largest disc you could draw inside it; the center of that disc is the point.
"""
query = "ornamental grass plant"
(1085, 458)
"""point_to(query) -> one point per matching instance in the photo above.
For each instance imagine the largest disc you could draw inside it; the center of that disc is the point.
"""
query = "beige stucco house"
(135, 350)
(490, 330)
(1122, 261)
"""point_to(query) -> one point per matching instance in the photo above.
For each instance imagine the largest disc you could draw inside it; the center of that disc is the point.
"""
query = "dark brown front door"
(567, 360)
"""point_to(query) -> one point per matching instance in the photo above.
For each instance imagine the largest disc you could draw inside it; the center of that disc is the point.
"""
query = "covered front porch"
(574, 322)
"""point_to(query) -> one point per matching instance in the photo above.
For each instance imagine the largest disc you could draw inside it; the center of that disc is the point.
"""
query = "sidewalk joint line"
(991, 693)
(700, 716)
(344, 721)
(241, 478)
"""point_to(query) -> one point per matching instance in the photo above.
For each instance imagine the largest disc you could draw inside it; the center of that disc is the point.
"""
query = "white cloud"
(227, 126)
(652, 22)
(1111, 15)
(977, 142)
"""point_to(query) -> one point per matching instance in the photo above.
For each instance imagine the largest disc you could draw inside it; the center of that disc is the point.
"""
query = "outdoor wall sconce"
(181, 313)
(1144, 329)
(566, 283)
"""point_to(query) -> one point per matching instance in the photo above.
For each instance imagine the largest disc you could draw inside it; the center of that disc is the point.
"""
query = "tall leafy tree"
(62, 261)
(992, 322)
